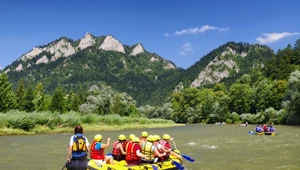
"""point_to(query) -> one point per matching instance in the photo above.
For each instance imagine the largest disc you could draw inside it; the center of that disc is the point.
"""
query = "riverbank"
(87, 127)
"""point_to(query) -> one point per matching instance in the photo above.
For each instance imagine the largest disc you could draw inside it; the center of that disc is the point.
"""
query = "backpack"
(79, 143)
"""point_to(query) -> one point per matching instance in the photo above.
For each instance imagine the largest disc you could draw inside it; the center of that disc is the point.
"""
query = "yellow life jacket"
(147, 150)
(79, 144)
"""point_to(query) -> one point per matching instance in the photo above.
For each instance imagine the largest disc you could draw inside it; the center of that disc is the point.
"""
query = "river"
(214, 147)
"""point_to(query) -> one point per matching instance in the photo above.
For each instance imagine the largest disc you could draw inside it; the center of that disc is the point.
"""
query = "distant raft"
(262, 133)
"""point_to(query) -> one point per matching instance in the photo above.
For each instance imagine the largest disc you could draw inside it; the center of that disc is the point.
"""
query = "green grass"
(19, 123)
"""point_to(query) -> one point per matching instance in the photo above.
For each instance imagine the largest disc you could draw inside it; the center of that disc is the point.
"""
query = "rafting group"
(264, 130)
(145, 152)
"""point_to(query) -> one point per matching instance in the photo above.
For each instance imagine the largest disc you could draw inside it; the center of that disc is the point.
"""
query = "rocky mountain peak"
(137, 50)
(112, 44)
(86, 41)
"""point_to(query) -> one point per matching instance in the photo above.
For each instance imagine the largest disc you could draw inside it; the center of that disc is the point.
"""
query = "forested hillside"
(234, 83)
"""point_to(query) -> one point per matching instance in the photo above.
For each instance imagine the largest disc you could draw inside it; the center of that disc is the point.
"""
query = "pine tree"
(7, 98)
(29, 99)
(58, 102)
(20, 95)
(39, 97)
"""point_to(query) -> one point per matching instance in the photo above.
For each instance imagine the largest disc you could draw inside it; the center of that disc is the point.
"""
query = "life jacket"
(126, 143)
(97, 154)
(147, 150)
(116, 150)
(131, 155)
(159, 150)
(79, 146)
(165, 143)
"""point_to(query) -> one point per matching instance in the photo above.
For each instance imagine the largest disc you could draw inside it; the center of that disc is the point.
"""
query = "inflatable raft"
(173, 163)
(262, 133)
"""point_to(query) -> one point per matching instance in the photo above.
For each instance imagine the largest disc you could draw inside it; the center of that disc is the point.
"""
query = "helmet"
(151, 138)
(166, 137)
(156, 137)
(131, 136)
(122, 137)
(145, 134)
(136, 139)
(98, 137)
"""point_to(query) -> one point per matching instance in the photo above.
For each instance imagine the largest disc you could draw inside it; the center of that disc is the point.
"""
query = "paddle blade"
(178, 165)
(154, 167)
(188, 158)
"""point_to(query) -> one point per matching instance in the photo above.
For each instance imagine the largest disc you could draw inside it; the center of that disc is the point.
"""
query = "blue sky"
(182, 31)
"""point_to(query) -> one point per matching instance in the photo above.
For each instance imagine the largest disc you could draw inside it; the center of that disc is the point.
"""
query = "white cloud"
(272, 37)
(187, 47)
(182, 53)
(166, 34)
(198, 30)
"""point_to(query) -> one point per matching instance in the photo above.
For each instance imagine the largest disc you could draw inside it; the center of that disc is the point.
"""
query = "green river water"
(214, 147)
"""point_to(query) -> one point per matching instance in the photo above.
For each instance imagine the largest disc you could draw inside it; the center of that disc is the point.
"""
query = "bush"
(26, 123)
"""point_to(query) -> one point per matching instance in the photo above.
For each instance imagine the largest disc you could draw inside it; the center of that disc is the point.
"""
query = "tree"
(265, 95)
(297, 45)
(58, 102)
(20, 95)
(241, 96)
(39, 97)
(29, 99)
(7, 98)
(293, 98)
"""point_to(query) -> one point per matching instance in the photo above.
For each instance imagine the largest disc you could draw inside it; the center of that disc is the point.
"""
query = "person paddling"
(78, 145)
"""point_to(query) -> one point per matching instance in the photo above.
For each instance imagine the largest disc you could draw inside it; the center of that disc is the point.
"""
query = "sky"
(181, 31)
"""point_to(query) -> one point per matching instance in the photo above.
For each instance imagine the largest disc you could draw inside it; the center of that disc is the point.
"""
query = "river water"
(214, 147)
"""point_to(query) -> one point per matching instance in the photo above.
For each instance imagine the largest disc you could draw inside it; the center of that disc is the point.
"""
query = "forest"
(269, 93)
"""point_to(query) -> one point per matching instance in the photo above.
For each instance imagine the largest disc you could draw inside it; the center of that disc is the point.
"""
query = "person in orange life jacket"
(160, 148)
(150, 150)
(118, 151)
(97, 150)
(166, 144)
(78, 145)
(143, 138)
(131, 136)
(133, 154)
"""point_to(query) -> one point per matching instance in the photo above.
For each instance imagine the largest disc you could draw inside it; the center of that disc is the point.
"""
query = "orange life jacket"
(96, 154)
(131, 155)
(116, 150)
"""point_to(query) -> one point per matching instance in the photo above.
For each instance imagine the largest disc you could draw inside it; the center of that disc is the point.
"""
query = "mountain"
(146, 76)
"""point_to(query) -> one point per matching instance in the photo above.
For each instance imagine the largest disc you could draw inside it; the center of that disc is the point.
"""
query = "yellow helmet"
(122, 137)
(145, 134)
(166, 137)
(156, 137)
(131, 136)
(151, 138)
(98, 137)
(136, 139)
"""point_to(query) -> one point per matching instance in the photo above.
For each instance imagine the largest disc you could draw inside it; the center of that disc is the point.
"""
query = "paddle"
(154, 167)
(178, 165)
(64, 165)
(184, 156)
(188, 158)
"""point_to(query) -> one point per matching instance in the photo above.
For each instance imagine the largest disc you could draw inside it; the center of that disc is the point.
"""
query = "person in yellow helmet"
(143, 138)
(150, 150)
(131, 136)
(97, 149)
(133, 154)
(118, 151)
(165, 144)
